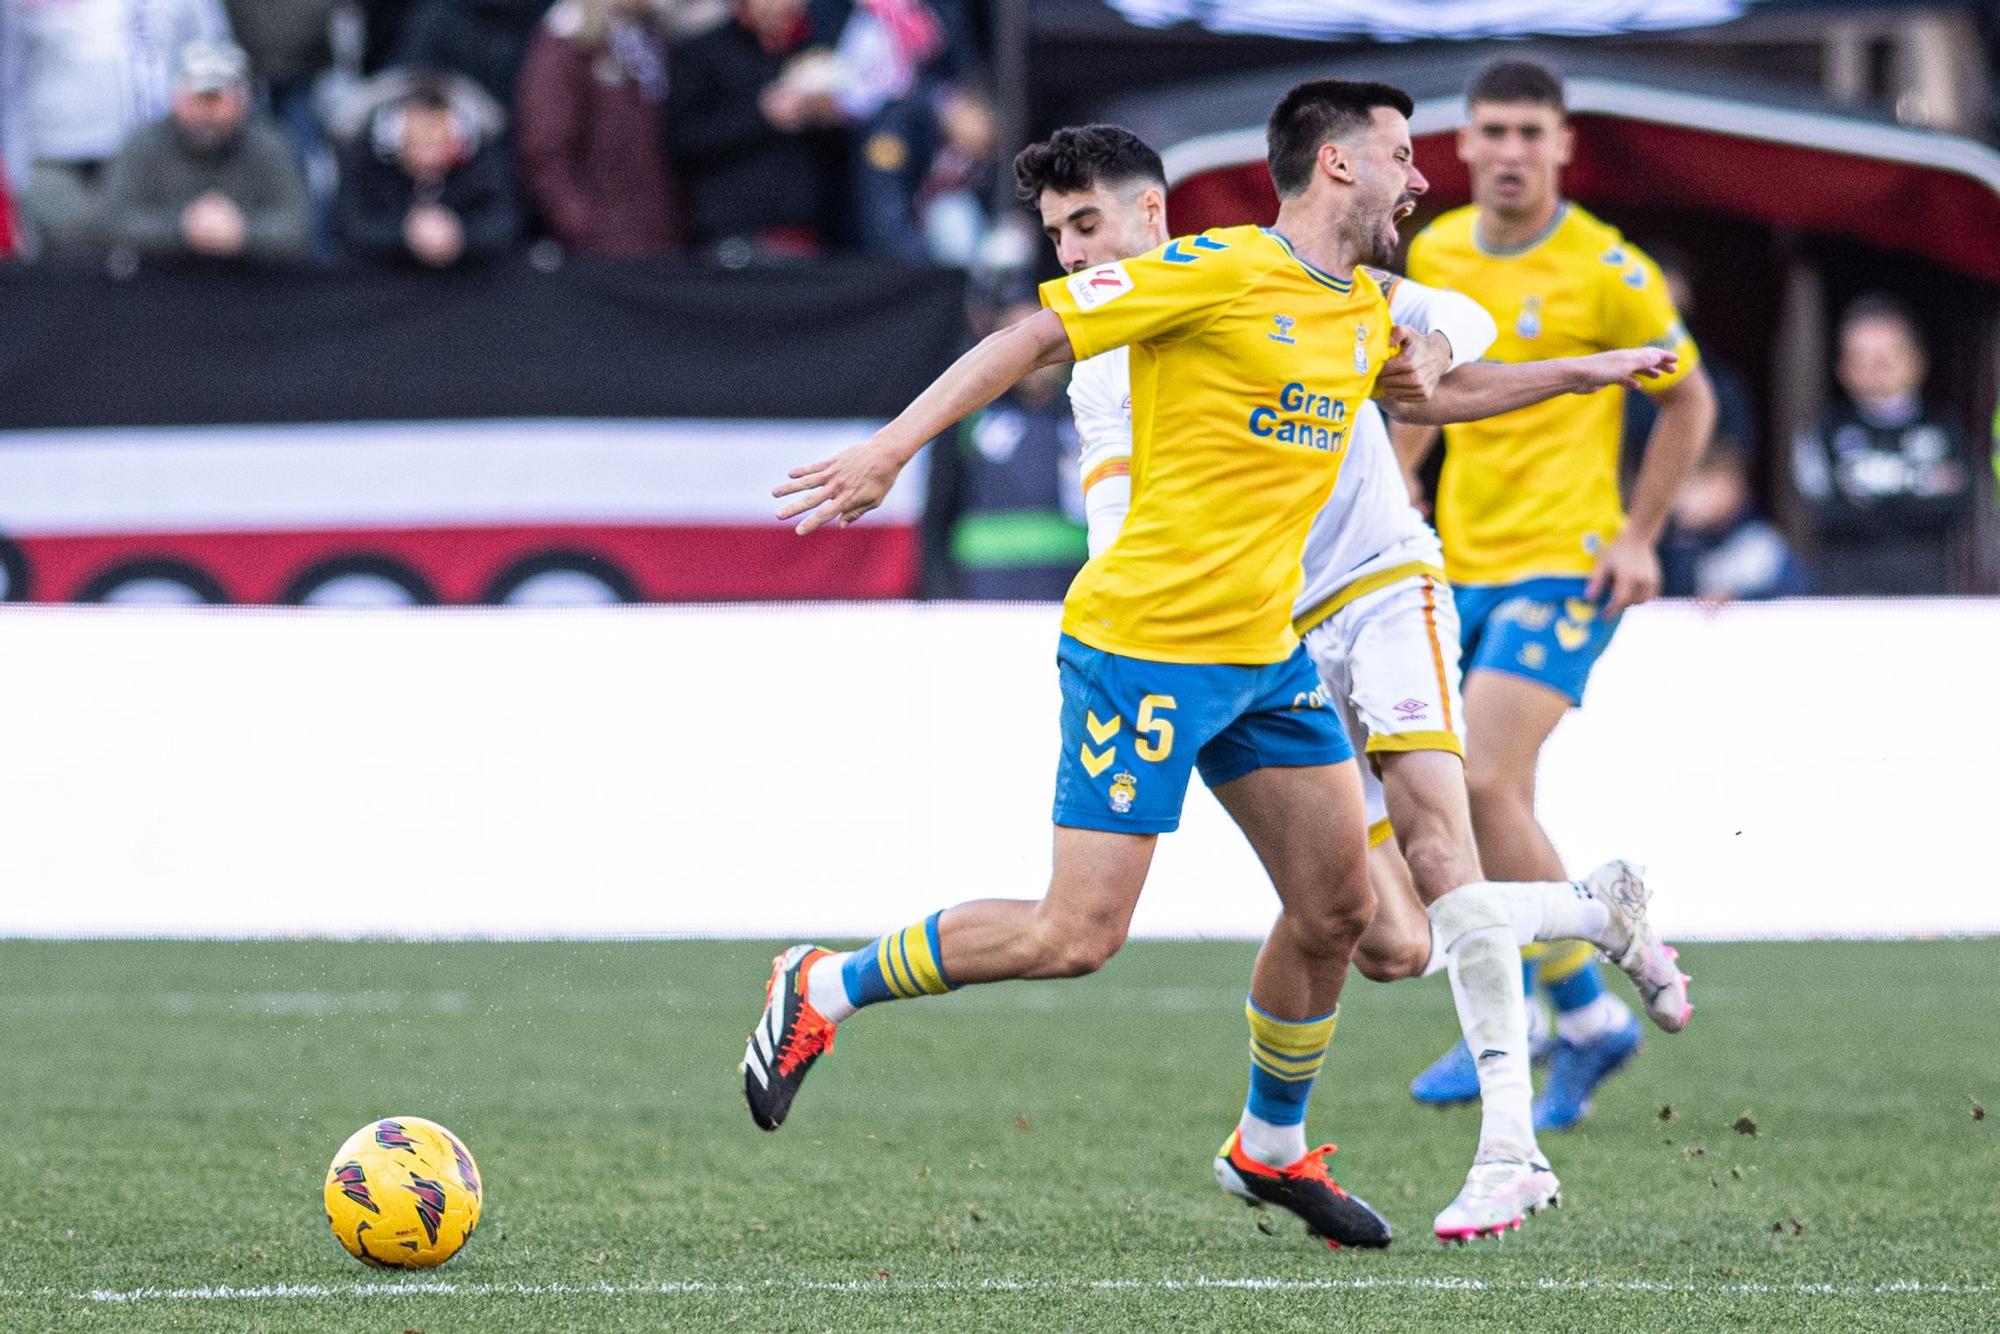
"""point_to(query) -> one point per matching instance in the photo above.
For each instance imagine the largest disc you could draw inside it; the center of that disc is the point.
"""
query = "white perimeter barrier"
(1801, 769)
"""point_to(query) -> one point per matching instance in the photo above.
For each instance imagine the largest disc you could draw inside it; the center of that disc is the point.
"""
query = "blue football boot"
(1575, 1071)
(1451, 1079)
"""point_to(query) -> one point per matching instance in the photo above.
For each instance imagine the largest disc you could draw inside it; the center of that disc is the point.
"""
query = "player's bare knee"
(1334, 925)
(1088, 950)
(1380, 959)
(1075, 944)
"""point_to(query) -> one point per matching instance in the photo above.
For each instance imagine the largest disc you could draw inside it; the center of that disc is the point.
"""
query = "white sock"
(1555, 910)
(1271, 1145)
(1439, 955)
(1540, 1028)
(1484, 962)
(826, 989)
(1606, 1014)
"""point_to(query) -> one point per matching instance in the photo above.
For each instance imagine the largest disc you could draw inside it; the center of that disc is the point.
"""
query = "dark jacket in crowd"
(1004, 517)
(1744, 560)
(485, 40)
(159, 173)
(376, 195)
(1887, 496)
(742, 177)
(590, 134)
(288, 41)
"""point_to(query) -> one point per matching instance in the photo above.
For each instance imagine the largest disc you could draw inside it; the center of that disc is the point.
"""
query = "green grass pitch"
(1028, 1156)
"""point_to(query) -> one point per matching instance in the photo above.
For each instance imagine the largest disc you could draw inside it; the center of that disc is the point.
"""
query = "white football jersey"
(1368, 523)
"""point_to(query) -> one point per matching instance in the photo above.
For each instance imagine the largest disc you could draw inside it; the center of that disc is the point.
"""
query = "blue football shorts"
(1543, 630)
(1133, 730)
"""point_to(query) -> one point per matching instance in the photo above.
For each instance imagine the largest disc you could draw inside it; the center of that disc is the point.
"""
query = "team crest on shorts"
(1124, 790)
(1361, 349)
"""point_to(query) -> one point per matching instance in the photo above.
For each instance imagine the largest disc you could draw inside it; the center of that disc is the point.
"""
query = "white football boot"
(1650, 962)
(1496, 1197)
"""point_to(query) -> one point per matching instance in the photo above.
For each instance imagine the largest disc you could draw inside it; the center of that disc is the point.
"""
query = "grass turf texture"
(1035, 1155)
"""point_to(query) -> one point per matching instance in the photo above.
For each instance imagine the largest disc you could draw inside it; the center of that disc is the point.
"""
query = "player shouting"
(1378, 621)
(1543, 556)
(1177, 649)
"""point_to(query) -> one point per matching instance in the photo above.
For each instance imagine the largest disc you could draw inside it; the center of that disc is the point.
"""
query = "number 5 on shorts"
(1156, 735)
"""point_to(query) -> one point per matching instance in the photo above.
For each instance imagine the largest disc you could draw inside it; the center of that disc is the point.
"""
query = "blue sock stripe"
(1280, 1102)
(937, 951)
(1261, 1013)
(1577, 990)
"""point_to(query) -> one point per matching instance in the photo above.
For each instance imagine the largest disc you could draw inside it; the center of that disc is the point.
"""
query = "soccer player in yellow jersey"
(1251, 350)
(1543, 556)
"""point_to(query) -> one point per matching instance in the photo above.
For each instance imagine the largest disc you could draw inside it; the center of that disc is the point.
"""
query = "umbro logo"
(1410, 709)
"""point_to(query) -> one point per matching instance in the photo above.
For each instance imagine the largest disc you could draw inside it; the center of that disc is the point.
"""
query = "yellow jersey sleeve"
(1161, 296)
(1637, 311)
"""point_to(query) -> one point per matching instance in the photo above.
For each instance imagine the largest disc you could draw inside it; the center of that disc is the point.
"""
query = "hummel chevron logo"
(1096, 762)
(1101, 732)
(1176, 253)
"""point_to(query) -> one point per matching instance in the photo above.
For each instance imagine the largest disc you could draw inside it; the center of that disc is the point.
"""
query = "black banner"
(833, 339)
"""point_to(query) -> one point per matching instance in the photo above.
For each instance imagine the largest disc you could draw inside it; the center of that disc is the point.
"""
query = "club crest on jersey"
(1528, 324)
(1284, 334)
(1361, 349)
(1124, 791)
(1099, 286)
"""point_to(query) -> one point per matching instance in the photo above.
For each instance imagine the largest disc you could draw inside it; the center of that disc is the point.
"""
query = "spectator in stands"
(951, 204)
(210, 180)
(291, 48)
(1717, 547)
(590, 129)
(485, 40)
(753, 148)
(76, 78)
(1006, 501)
(1884, 478)
(424, 182)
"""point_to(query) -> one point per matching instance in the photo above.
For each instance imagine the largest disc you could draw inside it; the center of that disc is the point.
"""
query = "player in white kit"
(1376, 614)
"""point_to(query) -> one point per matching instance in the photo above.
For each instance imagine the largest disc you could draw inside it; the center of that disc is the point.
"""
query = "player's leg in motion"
(1072, 930)
(1306, 825)
(1596, 1033)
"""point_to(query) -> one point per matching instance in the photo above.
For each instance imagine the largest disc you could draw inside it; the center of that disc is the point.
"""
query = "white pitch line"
(445, 1288)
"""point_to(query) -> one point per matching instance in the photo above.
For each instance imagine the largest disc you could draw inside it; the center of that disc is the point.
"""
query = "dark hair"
(1078, 157)
(1316, 113)
(1517, 81)
(1872, 306)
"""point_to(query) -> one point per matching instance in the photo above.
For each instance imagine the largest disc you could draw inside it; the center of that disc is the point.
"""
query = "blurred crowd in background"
(439, 134)
(445, 132)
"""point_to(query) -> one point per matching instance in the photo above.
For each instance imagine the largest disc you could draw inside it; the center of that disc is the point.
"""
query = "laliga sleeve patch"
(1096, 287)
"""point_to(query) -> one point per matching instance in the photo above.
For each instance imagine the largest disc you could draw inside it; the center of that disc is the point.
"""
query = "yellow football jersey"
(1535, 492)
(1248, 366)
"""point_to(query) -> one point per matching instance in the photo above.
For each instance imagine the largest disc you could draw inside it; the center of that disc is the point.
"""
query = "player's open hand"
(838, 490)
(1629, 570)
(1629, 366)
(1412, 374)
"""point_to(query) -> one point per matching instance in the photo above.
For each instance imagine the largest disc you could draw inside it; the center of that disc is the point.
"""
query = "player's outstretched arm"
(841, 489)
(1471, 393)
(1628, 569)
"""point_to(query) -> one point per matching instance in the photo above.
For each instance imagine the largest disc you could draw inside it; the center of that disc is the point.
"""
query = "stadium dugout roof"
(1647, 133)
